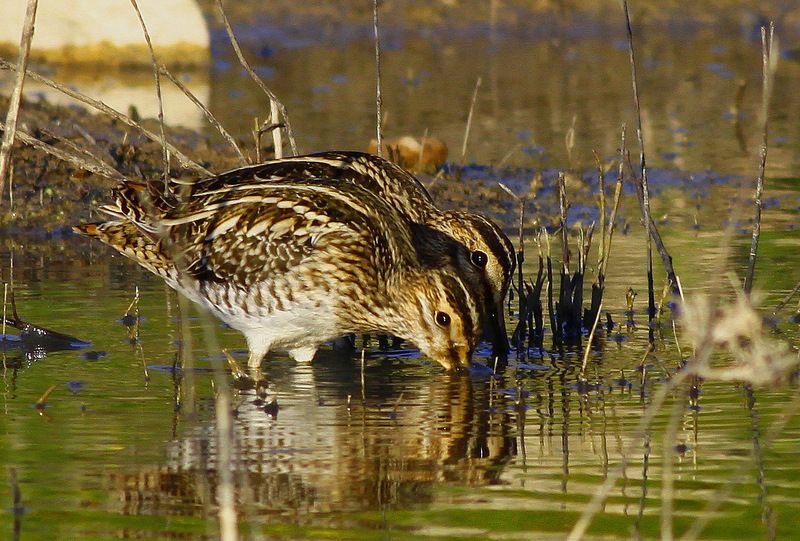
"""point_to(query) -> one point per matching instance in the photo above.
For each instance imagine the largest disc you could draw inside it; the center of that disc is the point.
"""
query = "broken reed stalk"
(184, 160)
(378, 96)
(469, 121)
(651, 301)
(277, 136)
(769, 62)
(16, 94)
(272, 97)
(95, 166)
(157, 77)
(209, 116)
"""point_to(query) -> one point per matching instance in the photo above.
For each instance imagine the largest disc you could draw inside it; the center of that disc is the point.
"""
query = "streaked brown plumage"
(293, 264)
(489, 261)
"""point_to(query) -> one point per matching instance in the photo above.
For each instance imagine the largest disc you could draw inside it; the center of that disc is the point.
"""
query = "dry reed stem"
(602, 199)
(95, 166)
(277, 136)
(228, 527)
(43, 399)
(605, 244)
(157, 77)
(378, 96)
(16, 94)
(253, 75)
(78, 150)
(588, 348)
(469, 120)
(206, 112)
(643, 169)
(786, 299)
(769, 63)
(184, 160)
(563, 206)
(612, 222)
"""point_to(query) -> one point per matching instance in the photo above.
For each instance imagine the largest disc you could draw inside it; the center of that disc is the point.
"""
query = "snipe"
(296, 263)
(488, 263)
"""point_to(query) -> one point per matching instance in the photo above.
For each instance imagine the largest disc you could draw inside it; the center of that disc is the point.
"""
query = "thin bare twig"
(786, 299)
(16, 94)
(469, 121)
(209, 116)
(769, 62)
(157, 77)
(256, 78)
(651, 306)
(277, 138)
(95, 166)
(378, 96)
(184, 160)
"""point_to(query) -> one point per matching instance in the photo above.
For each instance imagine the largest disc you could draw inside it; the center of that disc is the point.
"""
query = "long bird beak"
(496, 333)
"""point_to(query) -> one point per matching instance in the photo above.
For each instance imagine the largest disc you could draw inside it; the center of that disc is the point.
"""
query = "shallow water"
(126, 444)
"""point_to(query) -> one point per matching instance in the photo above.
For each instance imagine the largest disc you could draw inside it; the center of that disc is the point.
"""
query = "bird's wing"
(247, 235)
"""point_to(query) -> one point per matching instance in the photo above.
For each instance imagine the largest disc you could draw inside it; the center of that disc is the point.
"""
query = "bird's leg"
(303, 354)
(258, 349)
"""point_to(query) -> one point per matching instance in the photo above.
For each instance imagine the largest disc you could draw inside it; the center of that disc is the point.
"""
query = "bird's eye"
(479, 259)
(442, 319)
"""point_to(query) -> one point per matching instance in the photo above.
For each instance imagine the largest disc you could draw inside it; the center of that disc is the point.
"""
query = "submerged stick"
(157, 77)
(184, 160)
(246, 65)
(16, 95)
(769, 61)
(378, 97)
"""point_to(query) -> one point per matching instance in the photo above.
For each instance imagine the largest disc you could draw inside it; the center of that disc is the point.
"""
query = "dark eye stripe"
(458, 296)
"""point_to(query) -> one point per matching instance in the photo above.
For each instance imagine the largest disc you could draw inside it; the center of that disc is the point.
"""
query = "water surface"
(126, 445)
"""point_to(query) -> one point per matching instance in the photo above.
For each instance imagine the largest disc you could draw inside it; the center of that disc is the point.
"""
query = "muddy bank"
(48, 195)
